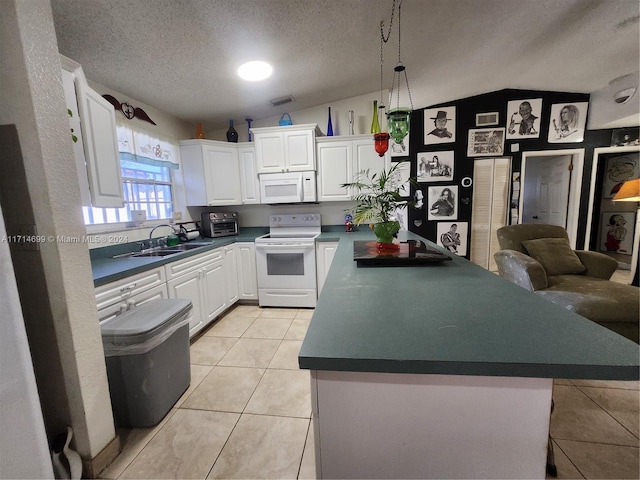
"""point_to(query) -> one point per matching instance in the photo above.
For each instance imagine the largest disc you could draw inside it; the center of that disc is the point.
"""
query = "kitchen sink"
(186, 246)
(157, 253)
(169, 250)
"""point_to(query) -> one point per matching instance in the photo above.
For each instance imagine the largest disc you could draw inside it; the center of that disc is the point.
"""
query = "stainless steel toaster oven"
(219, 224)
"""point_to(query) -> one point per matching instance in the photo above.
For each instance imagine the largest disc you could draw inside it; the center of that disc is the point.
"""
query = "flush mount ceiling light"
(255, 71)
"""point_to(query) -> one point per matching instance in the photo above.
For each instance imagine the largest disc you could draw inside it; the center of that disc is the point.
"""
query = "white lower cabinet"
(214, 289)
(200, 279)
(231, 274)
(247, 276)
(213, 281)
(117, 297)
(325, 251)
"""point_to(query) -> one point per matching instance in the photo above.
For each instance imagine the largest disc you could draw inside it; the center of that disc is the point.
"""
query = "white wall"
(604, 112)
(38, 186)
(23, 442)
(362, 107)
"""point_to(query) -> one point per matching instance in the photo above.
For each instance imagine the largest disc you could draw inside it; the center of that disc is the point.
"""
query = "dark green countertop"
(108, 269)
(453, 318)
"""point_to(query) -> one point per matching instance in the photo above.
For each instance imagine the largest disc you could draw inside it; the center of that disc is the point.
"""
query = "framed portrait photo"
(400, 178)
(523, 117)
(567, 122)
(453, 236)
(442, 203)
(616, 232)
(399, 149)
(435, 166)
(618, 170)
(485, 142)
(439, 125)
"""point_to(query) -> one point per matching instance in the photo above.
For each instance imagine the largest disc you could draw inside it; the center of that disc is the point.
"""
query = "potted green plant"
(378, 197)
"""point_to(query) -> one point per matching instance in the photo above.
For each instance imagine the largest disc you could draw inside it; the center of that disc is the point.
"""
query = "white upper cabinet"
(285, 149)
(211, 172)
(249, 183)
(97, 136)
(340, 159)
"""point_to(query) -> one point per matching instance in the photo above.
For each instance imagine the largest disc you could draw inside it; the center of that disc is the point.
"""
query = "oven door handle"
(284, 247)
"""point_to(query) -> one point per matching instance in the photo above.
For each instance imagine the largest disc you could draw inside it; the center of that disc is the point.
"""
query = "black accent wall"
(466, 110)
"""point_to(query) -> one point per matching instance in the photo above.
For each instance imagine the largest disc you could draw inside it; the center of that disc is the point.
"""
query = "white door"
(334, 169)
(546, 191)
(189, 286)
(214, 289)
(491, 177)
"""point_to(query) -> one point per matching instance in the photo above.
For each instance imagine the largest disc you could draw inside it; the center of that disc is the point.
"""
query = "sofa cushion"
(555, 255)
(599, 300)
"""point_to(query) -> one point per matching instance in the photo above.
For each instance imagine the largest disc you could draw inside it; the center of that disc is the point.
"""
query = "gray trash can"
(147, 357)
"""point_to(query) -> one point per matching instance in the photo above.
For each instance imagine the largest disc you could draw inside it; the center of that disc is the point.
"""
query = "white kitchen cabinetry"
(285, 149)
(247, 276)
(200, 279)
(249, 182)
(211, 172)
(96, 150)
(231, 274)
(339, 160)
(325, 251)
(119, 296)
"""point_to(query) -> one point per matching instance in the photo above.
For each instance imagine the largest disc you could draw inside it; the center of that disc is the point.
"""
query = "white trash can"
(147, 357)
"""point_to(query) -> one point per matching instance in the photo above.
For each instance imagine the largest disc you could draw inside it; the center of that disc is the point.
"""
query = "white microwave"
(290, 187)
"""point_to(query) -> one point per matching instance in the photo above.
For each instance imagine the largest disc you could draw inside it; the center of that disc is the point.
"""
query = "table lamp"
(630, 192)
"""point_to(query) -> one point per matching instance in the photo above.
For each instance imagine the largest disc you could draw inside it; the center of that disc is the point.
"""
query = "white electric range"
(286, 261)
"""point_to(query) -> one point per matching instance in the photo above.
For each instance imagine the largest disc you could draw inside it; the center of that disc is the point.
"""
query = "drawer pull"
(128, 288)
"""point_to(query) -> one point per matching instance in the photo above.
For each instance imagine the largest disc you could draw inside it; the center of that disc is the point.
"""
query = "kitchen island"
(443, 370)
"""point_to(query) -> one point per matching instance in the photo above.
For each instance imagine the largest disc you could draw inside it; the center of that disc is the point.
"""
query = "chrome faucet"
(155, 228)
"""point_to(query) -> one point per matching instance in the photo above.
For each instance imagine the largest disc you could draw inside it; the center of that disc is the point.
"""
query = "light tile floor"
(247, 412)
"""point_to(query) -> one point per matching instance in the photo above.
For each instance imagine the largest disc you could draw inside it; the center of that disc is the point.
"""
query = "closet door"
(491, 179)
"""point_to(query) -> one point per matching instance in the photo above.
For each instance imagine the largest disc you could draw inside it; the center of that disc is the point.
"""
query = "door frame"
(592, 191)
(575, 186)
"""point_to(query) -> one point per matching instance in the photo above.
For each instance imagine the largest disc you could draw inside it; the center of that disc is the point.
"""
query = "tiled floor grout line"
(569, 458)
(264, 370)
(608, 413)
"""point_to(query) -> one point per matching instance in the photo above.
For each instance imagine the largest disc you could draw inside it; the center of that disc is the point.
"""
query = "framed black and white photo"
(618, 170)
(435, 166)
(567, 122)
(616, 232)
(625, 137)
(453, 237)
(400, 179)
(439, 125)
(442, 203)
(485, 142)
(523, 117)
(487, 119)
(399, 149)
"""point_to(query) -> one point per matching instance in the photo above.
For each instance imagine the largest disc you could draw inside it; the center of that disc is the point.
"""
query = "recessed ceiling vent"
(282, 100)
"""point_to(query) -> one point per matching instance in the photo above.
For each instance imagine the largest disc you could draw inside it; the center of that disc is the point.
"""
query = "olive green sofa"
(538, 257)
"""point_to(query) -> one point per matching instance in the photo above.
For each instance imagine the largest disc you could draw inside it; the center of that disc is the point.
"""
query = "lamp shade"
(629, 191)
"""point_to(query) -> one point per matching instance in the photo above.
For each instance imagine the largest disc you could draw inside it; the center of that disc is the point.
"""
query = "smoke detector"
(624, 95)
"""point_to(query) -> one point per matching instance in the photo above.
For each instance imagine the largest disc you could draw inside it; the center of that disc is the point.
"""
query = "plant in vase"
(378, 197)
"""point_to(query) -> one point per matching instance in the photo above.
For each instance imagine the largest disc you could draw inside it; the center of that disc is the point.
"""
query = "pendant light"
(399, 115)
(380, 139)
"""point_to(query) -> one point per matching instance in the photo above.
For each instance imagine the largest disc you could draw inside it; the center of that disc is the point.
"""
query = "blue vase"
(329, 125)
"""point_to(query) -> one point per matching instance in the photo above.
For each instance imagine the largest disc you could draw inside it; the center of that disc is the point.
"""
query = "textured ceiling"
(181, 55)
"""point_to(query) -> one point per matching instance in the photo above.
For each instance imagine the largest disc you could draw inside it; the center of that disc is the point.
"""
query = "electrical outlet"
(177, 215)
